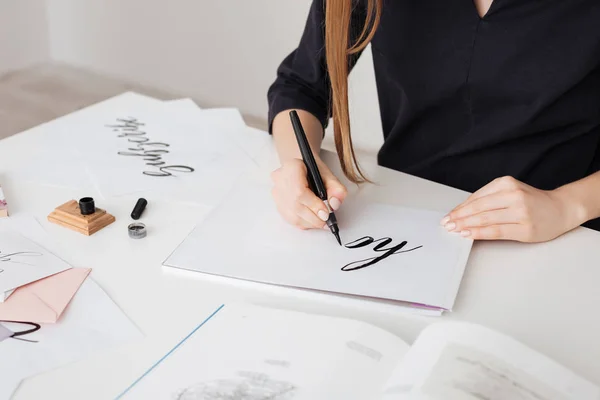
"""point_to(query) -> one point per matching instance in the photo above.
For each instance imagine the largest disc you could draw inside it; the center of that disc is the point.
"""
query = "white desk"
(544, 295)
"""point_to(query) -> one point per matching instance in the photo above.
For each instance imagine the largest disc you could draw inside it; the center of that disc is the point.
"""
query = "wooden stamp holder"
(69, 216)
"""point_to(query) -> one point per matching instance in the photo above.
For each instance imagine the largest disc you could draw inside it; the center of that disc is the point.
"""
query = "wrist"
(575, 211)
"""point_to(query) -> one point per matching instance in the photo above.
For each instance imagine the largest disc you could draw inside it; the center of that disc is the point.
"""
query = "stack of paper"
(91, 323)
(54, 314)
(388, 252)
(23, 261)
(137, 144)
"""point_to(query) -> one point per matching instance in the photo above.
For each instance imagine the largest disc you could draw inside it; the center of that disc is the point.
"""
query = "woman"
(498, 98)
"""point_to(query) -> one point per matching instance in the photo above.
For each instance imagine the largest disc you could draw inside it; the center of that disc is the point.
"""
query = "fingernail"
(323, 215)
(465, 233)
(450, 226)
(335, 203)
(445, 220)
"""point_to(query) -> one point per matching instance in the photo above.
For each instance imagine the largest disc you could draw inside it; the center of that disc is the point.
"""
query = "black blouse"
(465, 99)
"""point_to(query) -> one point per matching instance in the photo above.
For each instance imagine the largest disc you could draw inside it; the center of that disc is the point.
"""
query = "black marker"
(314, 177)
(139, 208)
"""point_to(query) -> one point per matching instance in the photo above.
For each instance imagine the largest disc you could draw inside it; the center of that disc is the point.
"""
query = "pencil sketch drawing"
(464, 373)
(246, 386)
(19, 257)
(151, 152)
(380, 246)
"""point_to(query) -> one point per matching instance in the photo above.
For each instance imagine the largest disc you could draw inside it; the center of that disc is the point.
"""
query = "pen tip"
(337, 236)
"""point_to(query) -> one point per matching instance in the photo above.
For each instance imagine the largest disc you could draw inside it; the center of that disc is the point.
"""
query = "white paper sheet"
(253, 141)
(29, 227)
(461, 361)
(23, 261)
(83, 151)
(358, 303)
(184, 105)
(249, 352)
(126, 143)
(249, 240)
(53, 161)
(58, 167)
(91, 323)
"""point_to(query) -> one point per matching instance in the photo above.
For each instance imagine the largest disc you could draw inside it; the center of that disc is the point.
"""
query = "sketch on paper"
(379, 247)
(18, 257)
(151, 152)
(246, 386)
(464, 373)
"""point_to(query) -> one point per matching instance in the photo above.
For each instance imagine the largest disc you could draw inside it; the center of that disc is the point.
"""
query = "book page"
(461, 361)
(254, 353)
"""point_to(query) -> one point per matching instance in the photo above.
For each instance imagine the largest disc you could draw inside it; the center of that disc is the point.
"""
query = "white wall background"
(220, 52)
(23, 34)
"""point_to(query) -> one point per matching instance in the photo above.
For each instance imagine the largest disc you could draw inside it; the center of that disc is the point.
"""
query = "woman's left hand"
(507, 209)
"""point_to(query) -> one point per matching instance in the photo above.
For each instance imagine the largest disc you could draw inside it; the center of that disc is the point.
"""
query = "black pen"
(314, 177)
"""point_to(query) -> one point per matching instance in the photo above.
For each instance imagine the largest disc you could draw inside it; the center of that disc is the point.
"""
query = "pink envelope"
(45, 300)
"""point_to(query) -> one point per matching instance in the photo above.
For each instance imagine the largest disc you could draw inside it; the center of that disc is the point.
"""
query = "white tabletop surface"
(545, 295)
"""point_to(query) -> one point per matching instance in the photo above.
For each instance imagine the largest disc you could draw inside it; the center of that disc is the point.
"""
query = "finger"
(483, 219)
(336, 192)
(495, 186)
(303, 225)
(315, 204)
(288, 212)
(293, 218)
(299, 223)
(275, 174)
(496, 201)
(309, 219)
(498, 232)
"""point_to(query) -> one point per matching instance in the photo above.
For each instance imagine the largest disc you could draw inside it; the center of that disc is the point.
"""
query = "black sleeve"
(302, 80)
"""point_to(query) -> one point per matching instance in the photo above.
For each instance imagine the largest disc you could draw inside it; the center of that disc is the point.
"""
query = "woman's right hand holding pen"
(294, 199)
(296, 202)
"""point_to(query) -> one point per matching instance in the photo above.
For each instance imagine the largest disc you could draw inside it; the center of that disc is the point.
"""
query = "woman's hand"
(511, 210)
(296, 203)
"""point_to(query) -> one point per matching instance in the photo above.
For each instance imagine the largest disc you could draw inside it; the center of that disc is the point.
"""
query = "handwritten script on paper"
(17, 334)
(151, 152)
(379, 247)
(17, 257)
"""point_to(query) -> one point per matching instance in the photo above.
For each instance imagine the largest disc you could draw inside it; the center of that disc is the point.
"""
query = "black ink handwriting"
(379, 247)
(151, 152)
(17, 335)
(13, 257)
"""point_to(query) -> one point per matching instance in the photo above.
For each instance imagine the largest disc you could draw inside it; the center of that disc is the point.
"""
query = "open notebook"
(252, 353)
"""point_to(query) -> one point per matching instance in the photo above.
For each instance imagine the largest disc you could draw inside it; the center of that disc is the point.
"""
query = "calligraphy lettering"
(379, 247)
(151, 152)
(25, 332)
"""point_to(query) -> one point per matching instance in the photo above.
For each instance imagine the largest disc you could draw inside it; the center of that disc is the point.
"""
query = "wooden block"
(69, 216)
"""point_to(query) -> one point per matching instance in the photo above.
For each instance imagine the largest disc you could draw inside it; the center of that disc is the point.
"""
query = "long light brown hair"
(338, 49)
